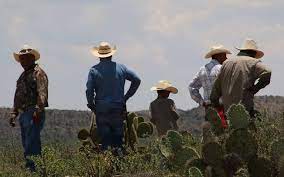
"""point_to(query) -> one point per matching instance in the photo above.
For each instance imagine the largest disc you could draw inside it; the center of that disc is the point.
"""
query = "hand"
(13, 118)
(92, 107)
(206, 105)
(36, 117)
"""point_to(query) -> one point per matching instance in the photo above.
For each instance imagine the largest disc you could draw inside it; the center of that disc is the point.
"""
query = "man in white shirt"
(207, 74)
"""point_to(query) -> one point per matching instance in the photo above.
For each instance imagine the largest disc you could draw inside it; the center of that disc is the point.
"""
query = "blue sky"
(158, 39)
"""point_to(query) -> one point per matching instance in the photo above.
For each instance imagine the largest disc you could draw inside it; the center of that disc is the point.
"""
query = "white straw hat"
(27, 50)
(250, 44)
(104, 50)
(165, 85)
(216, 50)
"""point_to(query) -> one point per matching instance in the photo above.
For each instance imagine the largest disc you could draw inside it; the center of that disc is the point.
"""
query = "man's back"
(237, 76)
(107, 80)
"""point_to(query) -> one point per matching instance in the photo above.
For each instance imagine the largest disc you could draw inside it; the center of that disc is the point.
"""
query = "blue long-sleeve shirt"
(105, 85)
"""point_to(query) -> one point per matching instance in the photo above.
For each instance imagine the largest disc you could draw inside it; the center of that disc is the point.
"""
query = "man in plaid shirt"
(207, 74)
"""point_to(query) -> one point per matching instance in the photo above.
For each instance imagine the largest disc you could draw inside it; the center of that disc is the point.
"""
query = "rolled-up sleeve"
(90, 91)
(194, 87)
(135, 83)
(263, 74)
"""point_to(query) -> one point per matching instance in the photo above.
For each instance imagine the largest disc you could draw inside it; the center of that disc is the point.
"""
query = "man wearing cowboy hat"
(29, 102)
(105, 95)
(163, 110)
(236, 81)
(207, 74)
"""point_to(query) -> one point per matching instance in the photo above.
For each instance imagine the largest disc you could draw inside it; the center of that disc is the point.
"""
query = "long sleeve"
(90, 91)
(135, 82)
(194, 87)
(42, 89)
(263, 74)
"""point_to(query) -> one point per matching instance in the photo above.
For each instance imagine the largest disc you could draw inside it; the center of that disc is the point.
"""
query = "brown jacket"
(236, 82)
(164, 115)
(31, 90)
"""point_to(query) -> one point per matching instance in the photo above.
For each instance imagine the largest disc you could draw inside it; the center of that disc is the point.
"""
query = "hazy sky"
(158, 39)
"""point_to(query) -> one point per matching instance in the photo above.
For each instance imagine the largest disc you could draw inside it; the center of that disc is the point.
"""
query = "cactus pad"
(137, 121)
(194, 172)
(166, 149)
(242, 143)
(175, 139)
(94, 135)
(212, 154)
(184, 155)
(144, 130)
(260, 167)
(238, 116)
(215, 121)
(83, 134)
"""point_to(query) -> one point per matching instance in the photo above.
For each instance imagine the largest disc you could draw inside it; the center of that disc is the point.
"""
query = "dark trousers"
(30, 133)
(110, 128)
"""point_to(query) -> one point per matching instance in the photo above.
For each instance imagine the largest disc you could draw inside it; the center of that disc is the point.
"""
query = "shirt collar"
(214, 61)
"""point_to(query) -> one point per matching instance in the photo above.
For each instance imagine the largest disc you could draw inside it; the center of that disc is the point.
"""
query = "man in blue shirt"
(105, 95)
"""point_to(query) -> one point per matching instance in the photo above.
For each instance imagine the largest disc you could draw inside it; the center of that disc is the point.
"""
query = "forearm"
(133, 88)
(263, 81)
(195, 95)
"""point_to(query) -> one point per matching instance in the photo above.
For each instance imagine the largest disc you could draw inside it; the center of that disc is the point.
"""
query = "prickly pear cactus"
(184, 155)
(166, 149)
(215, 121)
(137, 121)
(232, 163)
(151, 128)
(83, 134)
(212, 154)
(94, 136)
(194, 172)
(238, 116)
(175, 139)
(242, 143)
(260, 166)
(187, 138)
(130, 117)
(133, 135)
(144, 130)
(277, 150)
(198, 163)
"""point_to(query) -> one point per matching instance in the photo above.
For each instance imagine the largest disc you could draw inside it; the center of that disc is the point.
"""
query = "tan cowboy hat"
(103, 51)
(26, 50)
(165, 85)
(250, 44)
(216, 50)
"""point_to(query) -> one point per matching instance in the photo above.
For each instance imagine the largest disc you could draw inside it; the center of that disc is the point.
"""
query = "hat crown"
(164, 84)
(216, 47)
(250, 44)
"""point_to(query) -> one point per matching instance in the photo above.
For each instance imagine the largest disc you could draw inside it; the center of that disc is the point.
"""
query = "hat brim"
(34, 52)
(216, 51)
(170, 89)
(95, 52)
(259, 53)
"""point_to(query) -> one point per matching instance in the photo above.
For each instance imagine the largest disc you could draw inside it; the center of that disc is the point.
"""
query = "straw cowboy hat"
(26, 50)
(104, 50)
(216, 50)
(250, 44)
(165, 85)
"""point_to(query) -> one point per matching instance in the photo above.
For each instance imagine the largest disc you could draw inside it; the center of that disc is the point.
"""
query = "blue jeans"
(30, 133)
(110, 128)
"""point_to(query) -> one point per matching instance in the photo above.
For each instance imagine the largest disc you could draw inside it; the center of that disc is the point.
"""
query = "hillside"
(62, 125)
